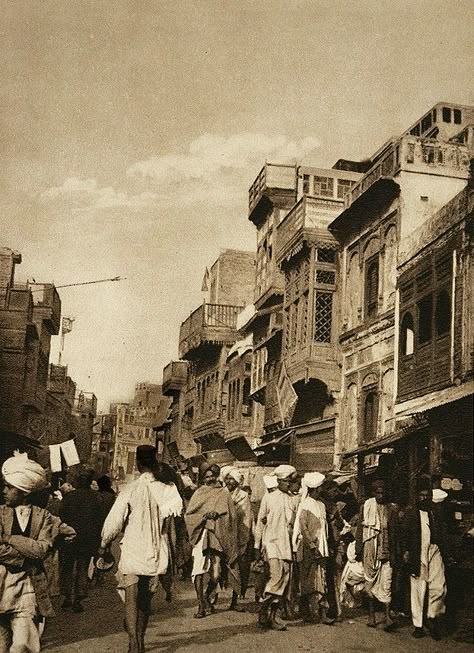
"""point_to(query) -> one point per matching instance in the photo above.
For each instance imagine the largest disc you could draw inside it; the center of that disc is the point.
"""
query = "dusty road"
(172, 628)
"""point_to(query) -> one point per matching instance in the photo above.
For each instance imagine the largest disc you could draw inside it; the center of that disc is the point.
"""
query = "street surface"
(172, 628)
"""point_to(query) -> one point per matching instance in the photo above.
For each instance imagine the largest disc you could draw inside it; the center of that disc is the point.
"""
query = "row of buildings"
(40, 404)
(346, 340)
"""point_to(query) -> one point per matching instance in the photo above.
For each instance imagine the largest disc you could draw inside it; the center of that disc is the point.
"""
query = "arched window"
(372, 286)
(371, 409)
(443, 313)
(407, 335)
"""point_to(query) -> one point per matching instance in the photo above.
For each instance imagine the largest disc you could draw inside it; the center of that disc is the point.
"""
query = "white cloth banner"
(70, 453)
(55, 457)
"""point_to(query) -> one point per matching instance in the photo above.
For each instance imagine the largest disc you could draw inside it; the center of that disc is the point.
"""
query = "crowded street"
(237, 326)
(172, 629)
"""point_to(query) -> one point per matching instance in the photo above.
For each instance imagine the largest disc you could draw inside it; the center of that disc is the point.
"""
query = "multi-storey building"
(60, 396)
(102, 449)
(29, 317)
(85, 412)
(205, 339)
(178, 437)
(409, 180)
(134, 426)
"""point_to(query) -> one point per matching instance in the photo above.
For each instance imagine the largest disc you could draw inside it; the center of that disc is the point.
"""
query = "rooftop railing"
(424, 155)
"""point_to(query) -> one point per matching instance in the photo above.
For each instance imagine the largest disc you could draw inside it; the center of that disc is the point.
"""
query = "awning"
(240, 448)
(241, 347)
(378, 445)
(283, 438)
(10, 440)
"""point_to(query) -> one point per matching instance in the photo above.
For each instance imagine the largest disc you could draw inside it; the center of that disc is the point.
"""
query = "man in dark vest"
(424, 546)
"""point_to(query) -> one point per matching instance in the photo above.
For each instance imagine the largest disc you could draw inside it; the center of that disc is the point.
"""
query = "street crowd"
(309, 550)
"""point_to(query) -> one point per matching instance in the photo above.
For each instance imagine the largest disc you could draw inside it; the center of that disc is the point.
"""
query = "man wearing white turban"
(310, 542)
(273, 534)
(26, 537)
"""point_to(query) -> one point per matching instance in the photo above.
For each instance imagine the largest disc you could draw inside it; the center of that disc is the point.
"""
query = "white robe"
(141, 507)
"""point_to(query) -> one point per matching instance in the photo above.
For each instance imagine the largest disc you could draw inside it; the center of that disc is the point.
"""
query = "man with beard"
(424, 540)
(376, 547)
(211, 520)
(233, 481)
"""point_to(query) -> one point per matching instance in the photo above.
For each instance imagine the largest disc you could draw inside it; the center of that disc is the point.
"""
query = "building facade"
(134, 426)
(29, 317)
(205, 340)
(409, 180)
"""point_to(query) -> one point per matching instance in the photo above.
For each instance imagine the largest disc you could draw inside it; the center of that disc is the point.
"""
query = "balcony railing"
(213, 323)
(272, 175)
(424, 155)
(312, 213)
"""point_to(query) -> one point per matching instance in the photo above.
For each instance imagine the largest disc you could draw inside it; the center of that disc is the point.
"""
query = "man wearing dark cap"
(424, 540)
(139, 512)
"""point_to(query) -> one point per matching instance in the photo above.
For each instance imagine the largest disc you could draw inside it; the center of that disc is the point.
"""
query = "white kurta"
(141, 507)
(431, 578)
(274, 525)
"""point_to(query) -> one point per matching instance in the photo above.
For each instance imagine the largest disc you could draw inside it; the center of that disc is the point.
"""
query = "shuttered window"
(372, 286)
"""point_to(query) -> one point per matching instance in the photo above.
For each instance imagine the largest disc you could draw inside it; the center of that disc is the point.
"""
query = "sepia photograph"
(236, 326)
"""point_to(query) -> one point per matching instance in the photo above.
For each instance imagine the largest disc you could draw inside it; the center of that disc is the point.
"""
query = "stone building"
(205, 339)
(29, 317)
(134, 426)
(409, 180)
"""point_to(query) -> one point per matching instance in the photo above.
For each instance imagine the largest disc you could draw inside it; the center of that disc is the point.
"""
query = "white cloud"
(85, 194)
(215, 168)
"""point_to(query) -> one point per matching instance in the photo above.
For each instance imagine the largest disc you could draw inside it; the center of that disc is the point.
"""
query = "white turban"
(439, 495)
(23, 473)
(284, 471)
(271, 482)
(236, 475)
(313, 480)
(225, 471)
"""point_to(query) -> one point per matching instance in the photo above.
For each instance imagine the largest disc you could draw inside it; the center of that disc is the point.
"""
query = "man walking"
(277, 516)
(144, 549)
(83, 510)
(424, 543)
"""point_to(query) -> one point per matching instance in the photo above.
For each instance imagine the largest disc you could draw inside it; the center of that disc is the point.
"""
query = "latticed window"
(324, 186)
(327, 277)
(323, 316)
(326, 254)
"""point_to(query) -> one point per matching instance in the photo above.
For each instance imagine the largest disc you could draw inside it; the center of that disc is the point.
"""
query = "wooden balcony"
(273, 179)
(210, 324)
(175, 376)
(307, 220)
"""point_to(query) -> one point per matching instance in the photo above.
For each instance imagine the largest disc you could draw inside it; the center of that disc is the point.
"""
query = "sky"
(131, 131)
